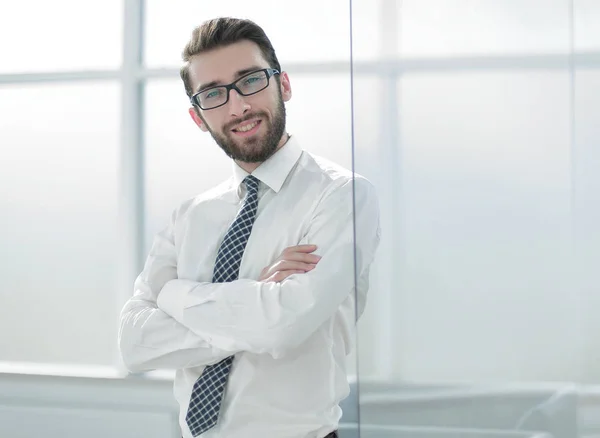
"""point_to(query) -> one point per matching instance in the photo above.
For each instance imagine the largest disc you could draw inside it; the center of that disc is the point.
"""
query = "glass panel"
(475, 195)
(487, 227)
(169, 24)
(58, 191)
(483, 315)
(586, 201)
(586, 209)
(61, 35)
(587, 31)
(446, 28)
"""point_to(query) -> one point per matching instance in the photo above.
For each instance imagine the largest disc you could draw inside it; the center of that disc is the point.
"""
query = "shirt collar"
(275, 170)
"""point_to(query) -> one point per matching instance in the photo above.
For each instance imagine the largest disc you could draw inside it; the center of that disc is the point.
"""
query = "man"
(250, 290)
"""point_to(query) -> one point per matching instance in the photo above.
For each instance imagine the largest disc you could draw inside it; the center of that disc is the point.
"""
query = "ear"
(197, 119)
(286, 88)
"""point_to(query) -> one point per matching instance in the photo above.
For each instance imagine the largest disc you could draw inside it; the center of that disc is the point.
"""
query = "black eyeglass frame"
(268, 71)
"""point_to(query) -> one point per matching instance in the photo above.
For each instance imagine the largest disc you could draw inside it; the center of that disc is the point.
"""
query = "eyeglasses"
(247, 85)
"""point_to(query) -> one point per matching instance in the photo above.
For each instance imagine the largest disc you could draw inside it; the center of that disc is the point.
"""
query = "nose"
(237, 104)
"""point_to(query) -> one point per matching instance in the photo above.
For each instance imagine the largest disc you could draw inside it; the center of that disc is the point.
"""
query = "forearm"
(261, 317)
(148, 337)
(151, 339)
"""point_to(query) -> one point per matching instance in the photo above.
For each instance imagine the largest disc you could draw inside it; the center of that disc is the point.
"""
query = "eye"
(211, 94)
(252, 79)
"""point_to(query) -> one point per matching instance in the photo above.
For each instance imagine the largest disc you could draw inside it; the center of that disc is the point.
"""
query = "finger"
(300, 257)
(300, 248)
(287, 265)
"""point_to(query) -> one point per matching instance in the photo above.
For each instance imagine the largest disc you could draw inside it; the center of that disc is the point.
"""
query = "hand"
(293, 260)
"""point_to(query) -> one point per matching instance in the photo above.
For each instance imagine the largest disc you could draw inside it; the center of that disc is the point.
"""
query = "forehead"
(222, 64)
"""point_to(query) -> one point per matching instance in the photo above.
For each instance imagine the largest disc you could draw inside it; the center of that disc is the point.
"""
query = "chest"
(281, 221)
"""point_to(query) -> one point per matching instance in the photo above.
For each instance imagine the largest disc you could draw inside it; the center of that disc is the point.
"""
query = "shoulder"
(204, 199)
(337, 178)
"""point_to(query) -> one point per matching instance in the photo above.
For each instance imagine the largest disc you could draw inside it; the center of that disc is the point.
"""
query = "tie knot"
(252, 183)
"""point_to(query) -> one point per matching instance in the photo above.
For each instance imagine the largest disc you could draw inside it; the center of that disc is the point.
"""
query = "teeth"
(247, 127)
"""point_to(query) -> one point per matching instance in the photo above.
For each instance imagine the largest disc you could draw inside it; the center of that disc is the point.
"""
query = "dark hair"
(221, 32)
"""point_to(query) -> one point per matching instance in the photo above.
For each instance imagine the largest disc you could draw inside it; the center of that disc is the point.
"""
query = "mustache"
(233, 123)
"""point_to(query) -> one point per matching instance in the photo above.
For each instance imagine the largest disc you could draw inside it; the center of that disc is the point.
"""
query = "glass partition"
(481, 317)
(586, 200)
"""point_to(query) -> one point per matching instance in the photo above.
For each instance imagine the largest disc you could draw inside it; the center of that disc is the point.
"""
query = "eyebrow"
(238, 74)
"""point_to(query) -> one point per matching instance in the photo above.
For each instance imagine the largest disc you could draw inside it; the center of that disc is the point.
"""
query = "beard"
(255, 149)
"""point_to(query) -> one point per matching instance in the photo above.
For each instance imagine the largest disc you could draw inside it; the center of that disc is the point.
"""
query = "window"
(318, 33)
(58, 227)
(62, 35)
(459, 28)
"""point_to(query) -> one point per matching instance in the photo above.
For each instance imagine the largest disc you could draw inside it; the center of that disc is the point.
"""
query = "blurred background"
(478, 122)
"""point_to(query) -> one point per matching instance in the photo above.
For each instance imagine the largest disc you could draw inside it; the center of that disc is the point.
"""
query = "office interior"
(476, 120)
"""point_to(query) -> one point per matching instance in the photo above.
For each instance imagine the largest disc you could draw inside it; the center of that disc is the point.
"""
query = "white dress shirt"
(290, 339)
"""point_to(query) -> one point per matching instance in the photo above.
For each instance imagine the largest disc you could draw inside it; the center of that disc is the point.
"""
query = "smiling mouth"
(248, 127)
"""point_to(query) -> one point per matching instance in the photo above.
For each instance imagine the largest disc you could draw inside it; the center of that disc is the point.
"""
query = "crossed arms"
(178, 323)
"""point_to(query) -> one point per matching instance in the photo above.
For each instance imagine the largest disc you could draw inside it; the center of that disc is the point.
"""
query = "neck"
(251, 167)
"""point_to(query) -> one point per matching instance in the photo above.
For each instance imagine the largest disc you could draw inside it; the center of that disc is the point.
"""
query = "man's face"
(263, 112)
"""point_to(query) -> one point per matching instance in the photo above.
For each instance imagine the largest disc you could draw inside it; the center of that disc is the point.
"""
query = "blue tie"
(207, 393)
